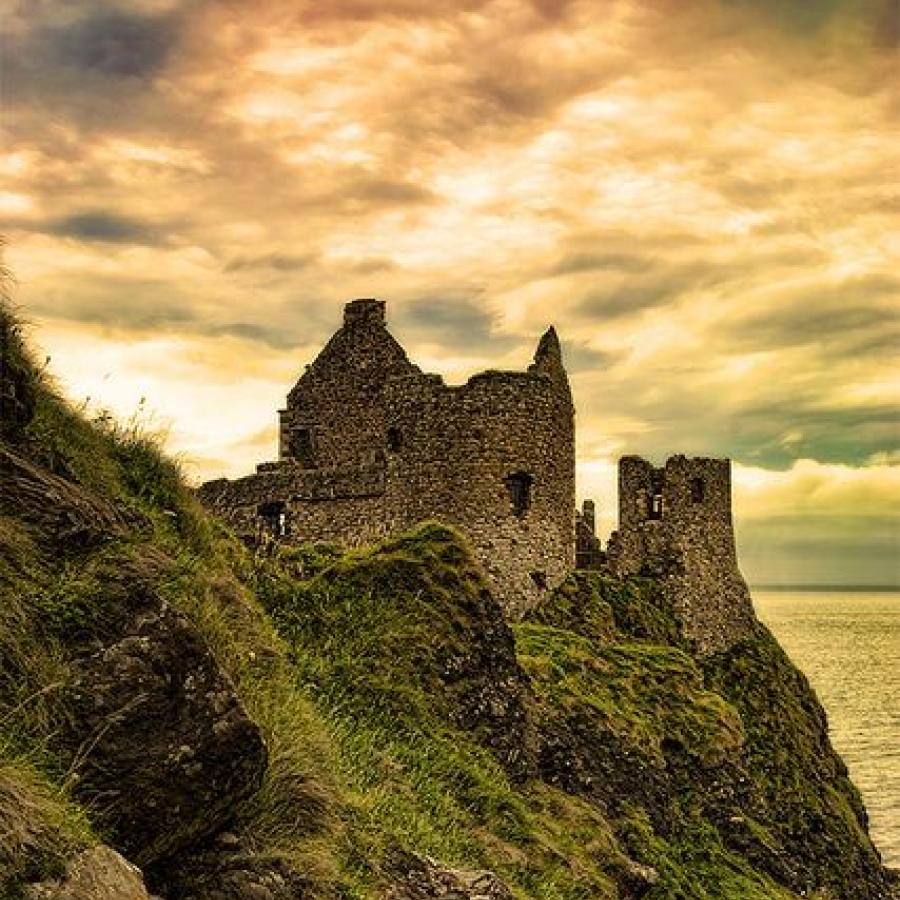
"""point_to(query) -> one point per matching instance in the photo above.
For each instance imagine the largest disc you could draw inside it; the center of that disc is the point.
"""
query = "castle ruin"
(370, 445)
(675, 525)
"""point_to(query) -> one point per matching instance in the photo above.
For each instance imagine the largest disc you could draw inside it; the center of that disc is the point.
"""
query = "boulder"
(161, 747)
(96, 874)
(68, 515)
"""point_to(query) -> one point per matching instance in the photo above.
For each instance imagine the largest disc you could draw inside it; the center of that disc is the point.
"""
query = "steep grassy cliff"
(301, 722)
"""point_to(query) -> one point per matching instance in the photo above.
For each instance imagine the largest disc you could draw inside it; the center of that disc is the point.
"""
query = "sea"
(847, 642)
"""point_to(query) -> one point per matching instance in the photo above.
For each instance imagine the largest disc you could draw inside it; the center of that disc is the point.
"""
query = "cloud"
(580, 358)
(386, 191)
(271, 335)
(849, 310)
(592, 261)
(112, 44)
(453, 321)
(809, 19)
(820, 489)
(630, 296)
(128, 304)
(280, 262)
(818, 523)
(107, 227)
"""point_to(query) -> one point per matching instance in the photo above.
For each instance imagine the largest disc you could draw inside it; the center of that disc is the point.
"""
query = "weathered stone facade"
(675, 524)
(369, 445)
(588, 549)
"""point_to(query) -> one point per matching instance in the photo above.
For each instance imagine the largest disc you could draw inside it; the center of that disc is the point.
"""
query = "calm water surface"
(848, 644)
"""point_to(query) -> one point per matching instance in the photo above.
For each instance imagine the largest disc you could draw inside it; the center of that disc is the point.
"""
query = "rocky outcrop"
(439, 629)
(161, 747)
(224, 869)
(735, 740)
(152, 731)
(67, 515)
(422, 878)
(485, 689)
(96, 874)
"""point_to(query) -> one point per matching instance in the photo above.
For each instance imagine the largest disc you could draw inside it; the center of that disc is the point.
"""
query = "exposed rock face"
(162, 748)
(67, 514)
(96, 874)
(813, 821)
(154, 733)
(224, 870)
(487, 691)
(737, 740)
(421, 878)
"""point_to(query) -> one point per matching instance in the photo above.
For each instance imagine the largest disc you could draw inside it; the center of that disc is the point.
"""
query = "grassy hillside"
(580, 754)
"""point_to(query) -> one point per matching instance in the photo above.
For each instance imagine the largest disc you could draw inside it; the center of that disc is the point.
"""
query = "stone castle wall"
(675, 523)
(344, 506)
(335, 413)
(588, 549)
(494, 457)
(371, 445)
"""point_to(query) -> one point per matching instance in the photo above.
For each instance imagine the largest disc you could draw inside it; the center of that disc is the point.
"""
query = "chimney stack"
(364, 312)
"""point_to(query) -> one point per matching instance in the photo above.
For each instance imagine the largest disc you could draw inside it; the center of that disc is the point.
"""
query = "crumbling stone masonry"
(588, 549)
(675, 524)
(369, 445)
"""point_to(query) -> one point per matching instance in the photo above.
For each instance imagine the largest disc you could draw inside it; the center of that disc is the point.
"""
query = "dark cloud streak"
(107, 227)
(112, 44)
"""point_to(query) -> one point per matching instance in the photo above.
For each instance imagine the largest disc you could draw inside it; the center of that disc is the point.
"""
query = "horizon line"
(880, 588)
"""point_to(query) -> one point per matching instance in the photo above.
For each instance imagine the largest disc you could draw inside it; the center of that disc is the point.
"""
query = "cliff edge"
(183, 718)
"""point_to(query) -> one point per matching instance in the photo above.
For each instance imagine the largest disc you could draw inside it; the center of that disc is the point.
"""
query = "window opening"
(301, 447)
(274, 518)
(655, 495)
(540, 580)
(698, 490)
(519, 486)
(394, 439)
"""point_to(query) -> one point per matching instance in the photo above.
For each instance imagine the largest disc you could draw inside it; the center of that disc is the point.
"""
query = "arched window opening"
(394, 439)
(274, 518)
(519, 486)
(655, 506)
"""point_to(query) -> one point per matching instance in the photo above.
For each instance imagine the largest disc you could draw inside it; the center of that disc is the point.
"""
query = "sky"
(703, 196)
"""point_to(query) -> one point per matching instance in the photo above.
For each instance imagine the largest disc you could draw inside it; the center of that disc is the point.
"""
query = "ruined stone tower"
(369, 444)
(675, 524)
